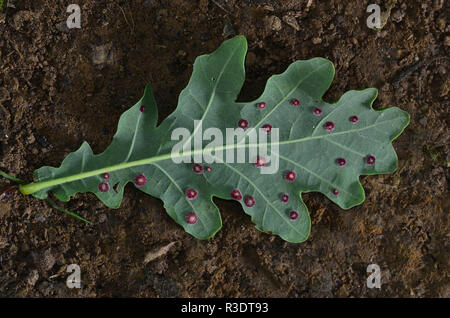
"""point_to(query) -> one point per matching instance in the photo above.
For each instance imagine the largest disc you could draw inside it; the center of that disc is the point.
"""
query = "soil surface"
(61, 86)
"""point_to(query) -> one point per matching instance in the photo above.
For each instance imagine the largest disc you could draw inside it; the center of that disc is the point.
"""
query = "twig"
(220, 6)
(7, 189)
(126, 20)
(405, 72)
(422, 73)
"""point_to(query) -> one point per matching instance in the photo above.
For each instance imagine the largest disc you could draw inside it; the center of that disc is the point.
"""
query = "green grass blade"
(59, 208)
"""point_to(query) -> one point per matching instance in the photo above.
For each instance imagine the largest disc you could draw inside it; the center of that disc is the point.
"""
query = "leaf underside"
(305, 146)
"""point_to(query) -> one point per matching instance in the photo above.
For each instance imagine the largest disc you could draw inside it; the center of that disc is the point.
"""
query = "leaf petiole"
(50, 201)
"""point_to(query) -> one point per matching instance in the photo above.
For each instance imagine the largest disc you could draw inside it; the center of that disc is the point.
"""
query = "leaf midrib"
(38, 186)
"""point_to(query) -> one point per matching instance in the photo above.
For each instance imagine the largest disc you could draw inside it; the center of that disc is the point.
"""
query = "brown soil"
(59, 87)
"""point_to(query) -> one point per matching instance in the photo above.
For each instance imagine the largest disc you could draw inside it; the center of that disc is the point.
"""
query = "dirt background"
(59, 87)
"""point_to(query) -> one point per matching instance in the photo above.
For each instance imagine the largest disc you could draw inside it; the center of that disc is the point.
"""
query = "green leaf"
(209, 101)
